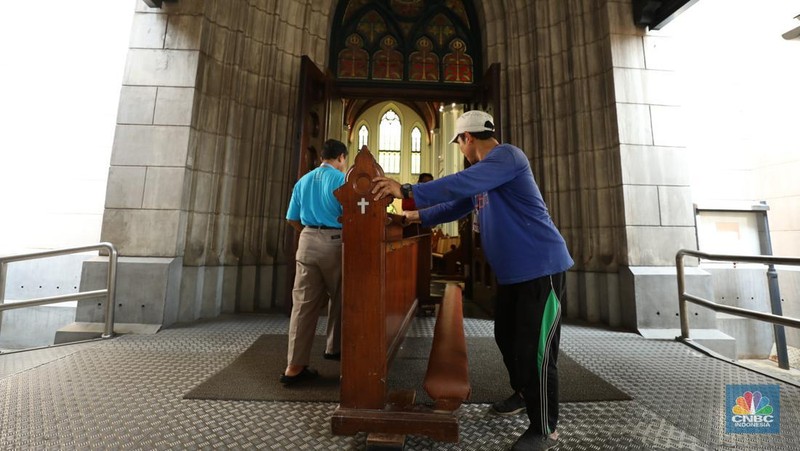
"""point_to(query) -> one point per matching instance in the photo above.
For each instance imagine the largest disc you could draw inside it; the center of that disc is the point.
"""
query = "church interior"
(668, 320)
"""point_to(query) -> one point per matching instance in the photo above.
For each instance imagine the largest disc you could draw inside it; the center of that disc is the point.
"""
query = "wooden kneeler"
(447, 378)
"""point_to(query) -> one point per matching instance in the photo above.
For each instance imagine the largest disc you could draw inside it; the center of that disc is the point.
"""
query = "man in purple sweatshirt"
(527, 253)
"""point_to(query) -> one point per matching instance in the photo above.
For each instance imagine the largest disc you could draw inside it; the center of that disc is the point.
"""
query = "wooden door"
(311, 117)
(310, 132)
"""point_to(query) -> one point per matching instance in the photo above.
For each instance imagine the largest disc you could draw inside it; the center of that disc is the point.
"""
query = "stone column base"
(639, 297)
(148, 290)
(649, 298)
(161, 292)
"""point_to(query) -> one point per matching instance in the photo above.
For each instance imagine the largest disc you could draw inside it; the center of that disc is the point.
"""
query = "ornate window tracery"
(424, 63)
(354, 60)
(458, 64)
(387, 63)
(371, 27)
(419, 41)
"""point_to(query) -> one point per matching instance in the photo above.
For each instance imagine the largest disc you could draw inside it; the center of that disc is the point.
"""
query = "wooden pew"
(447, 256)
(385, 277)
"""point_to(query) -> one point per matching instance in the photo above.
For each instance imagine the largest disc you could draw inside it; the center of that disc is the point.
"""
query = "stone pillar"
(561, 110)
(592, 100)
(656, 191)
(199, 177)
(149, 180)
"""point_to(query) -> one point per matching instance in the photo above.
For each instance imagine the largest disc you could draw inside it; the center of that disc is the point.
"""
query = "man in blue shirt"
(527, 253)
(314, 212)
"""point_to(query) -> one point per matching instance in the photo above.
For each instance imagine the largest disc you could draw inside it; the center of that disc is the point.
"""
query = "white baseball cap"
(474, 121)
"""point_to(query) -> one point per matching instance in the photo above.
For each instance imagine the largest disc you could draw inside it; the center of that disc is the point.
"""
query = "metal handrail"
(110, 291)
(683, 297)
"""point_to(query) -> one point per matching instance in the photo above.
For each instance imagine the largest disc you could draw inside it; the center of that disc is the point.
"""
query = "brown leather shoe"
(307, 374)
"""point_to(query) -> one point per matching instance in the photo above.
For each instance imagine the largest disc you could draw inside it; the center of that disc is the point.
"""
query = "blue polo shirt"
(313, 202)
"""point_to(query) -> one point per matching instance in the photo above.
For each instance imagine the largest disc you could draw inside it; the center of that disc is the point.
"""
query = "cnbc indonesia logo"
(752, 411)
(753, 408)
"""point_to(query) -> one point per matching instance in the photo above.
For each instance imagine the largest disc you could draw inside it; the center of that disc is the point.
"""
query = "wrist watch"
(405, 190)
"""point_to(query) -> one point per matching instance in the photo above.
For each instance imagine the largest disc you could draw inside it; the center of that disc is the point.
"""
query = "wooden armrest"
(447, 378)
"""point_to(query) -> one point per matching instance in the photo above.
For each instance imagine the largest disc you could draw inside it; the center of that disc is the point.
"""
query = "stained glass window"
(391, 131)
(458, 65)
(441, 29)
(424, 64)
(372, 26)
(416, 41)
(416, 150)
(407, 8)
(354, 60)
(387, 63)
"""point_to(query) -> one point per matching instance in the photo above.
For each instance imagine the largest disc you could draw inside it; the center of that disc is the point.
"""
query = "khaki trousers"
(318, 277)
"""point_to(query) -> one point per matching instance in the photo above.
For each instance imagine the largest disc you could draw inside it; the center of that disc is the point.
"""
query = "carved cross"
(363, 204)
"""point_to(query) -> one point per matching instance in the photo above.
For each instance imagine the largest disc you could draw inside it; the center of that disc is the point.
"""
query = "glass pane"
(458, 64)
(416, 139)
(354, 60)
(390, 132)
(363, 136)
(424, 63)
(387, 63)
(390, 162)
(415, 163)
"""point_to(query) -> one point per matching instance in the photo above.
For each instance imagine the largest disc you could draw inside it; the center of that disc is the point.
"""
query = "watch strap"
(405, 190)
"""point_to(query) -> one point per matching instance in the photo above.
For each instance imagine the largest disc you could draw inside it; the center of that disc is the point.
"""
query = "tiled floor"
(126, 393)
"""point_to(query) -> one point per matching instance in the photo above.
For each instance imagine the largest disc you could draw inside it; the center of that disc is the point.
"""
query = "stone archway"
(198, 177)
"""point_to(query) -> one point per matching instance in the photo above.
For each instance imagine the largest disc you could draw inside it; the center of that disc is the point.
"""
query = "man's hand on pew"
(404, 219)
(384, 187)
(411, 217)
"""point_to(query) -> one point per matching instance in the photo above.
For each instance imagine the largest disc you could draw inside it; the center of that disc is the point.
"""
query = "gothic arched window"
(416, 150)
(390, 136)
(363, 137)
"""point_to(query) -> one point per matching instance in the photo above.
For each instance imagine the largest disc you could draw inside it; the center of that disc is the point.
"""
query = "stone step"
(713, 339)
(86, 331)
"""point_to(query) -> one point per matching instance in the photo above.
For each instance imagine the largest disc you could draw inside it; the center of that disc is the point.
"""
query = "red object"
(409, 204)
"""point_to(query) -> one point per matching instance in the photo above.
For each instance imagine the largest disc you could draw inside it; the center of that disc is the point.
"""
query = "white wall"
(61, 66)
(741, 101)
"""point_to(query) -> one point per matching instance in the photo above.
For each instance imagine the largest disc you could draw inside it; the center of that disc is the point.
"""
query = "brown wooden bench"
(447, 256)
(384, 278)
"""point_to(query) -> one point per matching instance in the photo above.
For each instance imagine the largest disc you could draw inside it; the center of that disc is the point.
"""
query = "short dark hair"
(483, 135)
(332, 148)
(427, 176)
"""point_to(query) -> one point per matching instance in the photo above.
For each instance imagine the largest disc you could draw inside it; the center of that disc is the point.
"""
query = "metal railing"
(109, 292)
(776, 318)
